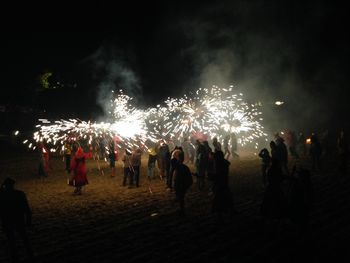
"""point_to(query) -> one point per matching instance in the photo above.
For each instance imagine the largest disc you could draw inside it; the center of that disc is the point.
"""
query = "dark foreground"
(111, 223)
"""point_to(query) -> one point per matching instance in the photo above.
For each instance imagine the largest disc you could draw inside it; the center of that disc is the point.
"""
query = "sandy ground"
(112, 223)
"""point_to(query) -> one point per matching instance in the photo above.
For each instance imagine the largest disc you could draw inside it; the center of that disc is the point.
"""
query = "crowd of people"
(295, 200)
(171, 164)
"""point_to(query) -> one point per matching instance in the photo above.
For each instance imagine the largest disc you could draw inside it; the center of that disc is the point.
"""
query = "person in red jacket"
(78, 167)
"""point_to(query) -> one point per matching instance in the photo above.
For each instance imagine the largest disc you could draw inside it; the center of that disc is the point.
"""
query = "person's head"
(8, 183)
(272, 145)
(215, 140)
(265, 151)
(79, 153)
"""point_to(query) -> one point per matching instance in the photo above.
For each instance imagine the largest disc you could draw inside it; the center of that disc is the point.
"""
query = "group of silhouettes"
(211, 166)
(290, 194)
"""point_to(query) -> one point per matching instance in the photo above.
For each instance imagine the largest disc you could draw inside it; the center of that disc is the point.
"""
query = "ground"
(112, 223)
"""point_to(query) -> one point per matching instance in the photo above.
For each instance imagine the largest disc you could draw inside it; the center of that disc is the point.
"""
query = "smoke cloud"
(112, 72)
(257, 48)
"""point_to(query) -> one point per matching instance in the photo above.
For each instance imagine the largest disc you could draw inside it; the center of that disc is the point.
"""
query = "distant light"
(278, 103)
(308, 141)
(16, 133)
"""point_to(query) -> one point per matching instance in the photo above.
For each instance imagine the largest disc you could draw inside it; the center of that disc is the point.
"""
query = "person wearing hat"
(15, 215)
(78, 166)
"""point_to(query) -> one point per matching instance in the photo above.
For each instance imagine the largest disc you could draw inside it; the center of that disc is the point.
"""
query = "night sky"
(280, 50)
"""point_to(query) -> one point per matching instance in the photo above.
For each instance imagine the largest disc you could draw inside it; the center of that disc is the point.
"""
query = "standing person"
(68, 154)
(186, 149)
(274, 205)
(216, 144)
(315, 152)
(192, 149)
(43, 161)
(227, 152)
(201, 164)
(300, 197)
(163, 156)
(112, 155)
(128, 169)
(78, 166)
(222, 201)
(302, 144)
(136, 163)
(234, 145)
(266, 160)
(210, 169)
(15, 215)
(273, 149)
(182, 181)
(177, 156)
(343, 151)
(152, 158)
(282, 154)
(292, 143)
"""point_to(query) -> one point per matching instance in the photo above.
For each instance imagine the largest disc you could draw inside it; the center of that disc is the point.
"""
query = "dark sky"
(269, 49)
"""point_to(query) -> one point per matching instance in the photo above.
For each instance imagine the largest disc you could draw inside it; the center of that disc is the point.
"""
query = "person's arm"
(89, 154)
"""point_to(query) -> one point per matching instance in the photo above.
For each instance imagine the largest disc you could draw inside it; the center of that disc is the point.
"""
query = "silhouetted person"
(163, 155)
(177, 157)
(274, 205)
(292, 144)
(234, 145)
(343, 151)
(182, 181)
(265, 164)
(326, 144)
(222, 201)
(282, 154)
(201, 164)
(15, 215)
(136, 163)
(227, 152)
(68, 154)
(315, 152)
(273, 148)
(186, 149)
(128, 168)
(112, 156)
(151, 165)
(210, 169)
(216, 144)
(301, 144)
(301, 197)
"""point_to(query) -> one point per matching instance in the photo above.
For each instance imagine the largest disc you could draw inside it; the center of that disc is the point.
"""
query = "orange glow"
(308, 141)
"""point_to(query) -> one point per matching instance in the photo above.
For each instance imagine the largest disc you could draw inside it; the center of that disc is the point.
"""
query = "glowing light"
(212, 112)
(278, 103)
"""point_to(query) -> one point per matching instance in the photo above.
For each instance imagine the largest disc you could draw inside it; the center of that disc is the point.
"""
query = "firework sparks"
(214, 112)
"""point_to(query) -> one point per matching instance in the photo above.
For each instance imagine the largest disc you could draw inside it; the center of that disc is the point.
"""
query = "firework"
(213, 112)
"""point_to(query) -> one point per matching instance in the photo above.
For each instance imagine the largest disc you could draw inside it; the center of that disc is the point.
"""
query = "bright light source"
(278, 103)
